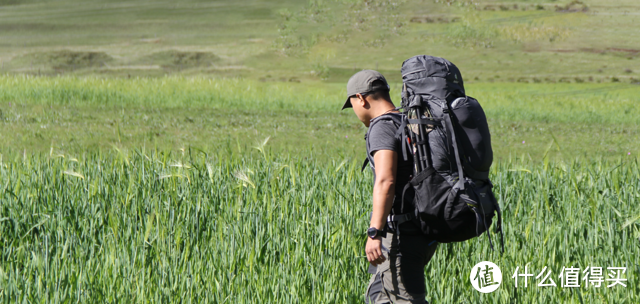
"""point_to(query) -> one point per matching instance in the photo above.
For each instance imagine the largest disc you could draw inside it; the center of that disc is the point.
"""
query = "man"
(399, 257)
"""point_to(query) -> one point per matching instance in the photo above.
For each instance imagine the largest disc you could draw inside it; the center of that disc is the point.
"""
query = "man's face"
(361, 107)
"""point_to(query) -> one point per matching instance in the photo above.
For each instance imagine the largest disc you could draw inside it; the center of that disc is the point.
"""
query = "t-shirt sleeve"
(382, 137)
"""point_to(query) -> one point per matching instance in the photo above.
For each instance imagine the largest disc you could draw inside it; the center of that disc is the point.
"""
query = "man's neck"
(384, 109)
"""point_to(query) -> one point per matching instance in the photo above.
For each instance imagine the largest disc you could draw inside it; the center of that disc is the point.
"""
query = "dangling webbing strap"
(364, 164)
(481, 219)
(499, 227)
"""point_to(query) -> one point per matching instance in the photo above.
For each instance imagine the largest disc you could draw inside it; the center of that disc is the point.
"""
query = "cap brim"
(347, 104)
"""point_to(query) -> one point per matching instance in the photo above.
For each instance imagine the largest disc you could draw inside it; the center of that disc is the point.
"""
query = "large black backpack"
(448, 136)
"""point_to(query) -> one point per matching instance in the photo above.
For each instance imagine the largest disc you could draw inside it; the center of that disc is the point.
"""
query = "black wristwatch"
(374, 233)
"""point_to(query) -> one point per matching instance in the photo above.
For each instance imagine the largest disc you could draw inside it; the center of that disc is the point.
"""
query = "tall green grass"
(191, 227)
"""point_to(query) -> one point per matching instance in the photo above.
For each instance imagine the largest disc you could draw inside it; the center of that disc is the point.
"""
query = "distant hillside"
(491, 41)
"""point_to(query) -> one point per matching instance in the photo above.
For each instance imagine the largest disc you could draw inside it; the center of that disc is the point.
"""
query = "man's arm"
(383, 193)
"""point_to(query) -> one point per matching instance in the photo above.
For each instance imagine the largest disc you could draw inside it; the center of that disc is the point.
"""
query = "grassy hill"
(506, 41)
(546, 71)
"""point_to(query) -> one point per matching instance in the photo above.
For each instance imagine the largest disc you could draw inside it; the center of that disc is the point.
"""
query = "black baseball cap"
(365, 81)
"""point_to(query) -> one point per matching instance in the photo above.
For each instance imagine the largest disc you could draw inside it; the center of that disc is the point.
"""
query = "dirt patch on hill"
(573, 7)
(65, 59)
(514, 7)
(182, 59)
(434, 19)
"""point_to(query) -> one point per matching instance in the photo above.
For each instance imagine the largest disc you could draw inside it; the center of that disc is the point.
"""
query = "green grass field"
(199, 227)
(195, 151)
(76, 115)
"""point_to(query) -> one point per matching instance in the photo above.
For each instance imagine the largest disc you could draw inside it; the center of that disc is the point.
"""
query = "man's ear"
(362, 101)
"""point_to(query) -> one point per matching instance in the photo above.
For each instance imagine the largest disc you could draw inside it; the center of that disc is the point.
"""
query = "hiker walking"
(431, 172)
(396, 249)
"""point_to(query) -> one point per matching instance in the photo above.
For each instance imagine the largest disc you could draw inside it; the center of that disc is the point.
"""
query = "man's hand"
(374, 251)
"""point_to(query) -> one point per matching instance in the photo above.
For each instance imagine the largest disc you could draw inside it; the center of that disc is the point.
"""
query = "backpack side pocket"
(431, 194)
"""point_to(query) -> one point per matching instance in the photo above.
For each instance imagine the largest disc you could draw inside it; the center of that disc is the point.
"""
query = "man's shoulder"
(383, 128)
(386, 121)
(382, 136)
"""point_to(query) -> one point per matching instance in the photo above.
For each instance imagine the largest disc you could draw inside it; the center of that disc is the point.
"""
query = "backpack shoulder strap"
(398, 119)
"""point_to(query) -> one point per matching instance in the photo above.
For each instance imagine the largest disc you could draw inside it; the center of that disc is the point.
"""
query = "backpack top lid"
(429, 75)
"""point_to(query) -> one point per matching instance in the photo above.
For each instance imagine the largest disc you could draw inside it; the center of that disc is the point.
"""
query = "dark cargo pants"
(400, 278)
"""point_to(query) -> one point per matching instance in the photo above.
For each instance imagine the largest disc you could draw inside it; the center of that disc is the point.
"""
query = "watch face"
(372, 232)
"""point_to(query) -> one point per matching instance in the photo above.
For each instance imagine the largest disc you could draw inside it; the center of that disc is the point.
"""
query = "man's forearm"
(383, 193)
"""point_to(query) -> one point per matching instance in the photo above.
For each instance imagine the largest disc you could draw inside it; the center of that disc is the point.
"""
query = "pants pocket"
(375, 290)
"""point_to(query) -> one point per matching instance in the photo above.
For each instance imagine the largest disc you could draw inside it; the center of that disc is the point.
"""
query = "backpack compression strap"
(454, 142)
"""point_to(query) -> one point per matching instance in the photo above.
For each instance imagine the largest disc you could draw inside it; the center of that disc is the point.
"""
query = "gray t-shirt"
(382, 136)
